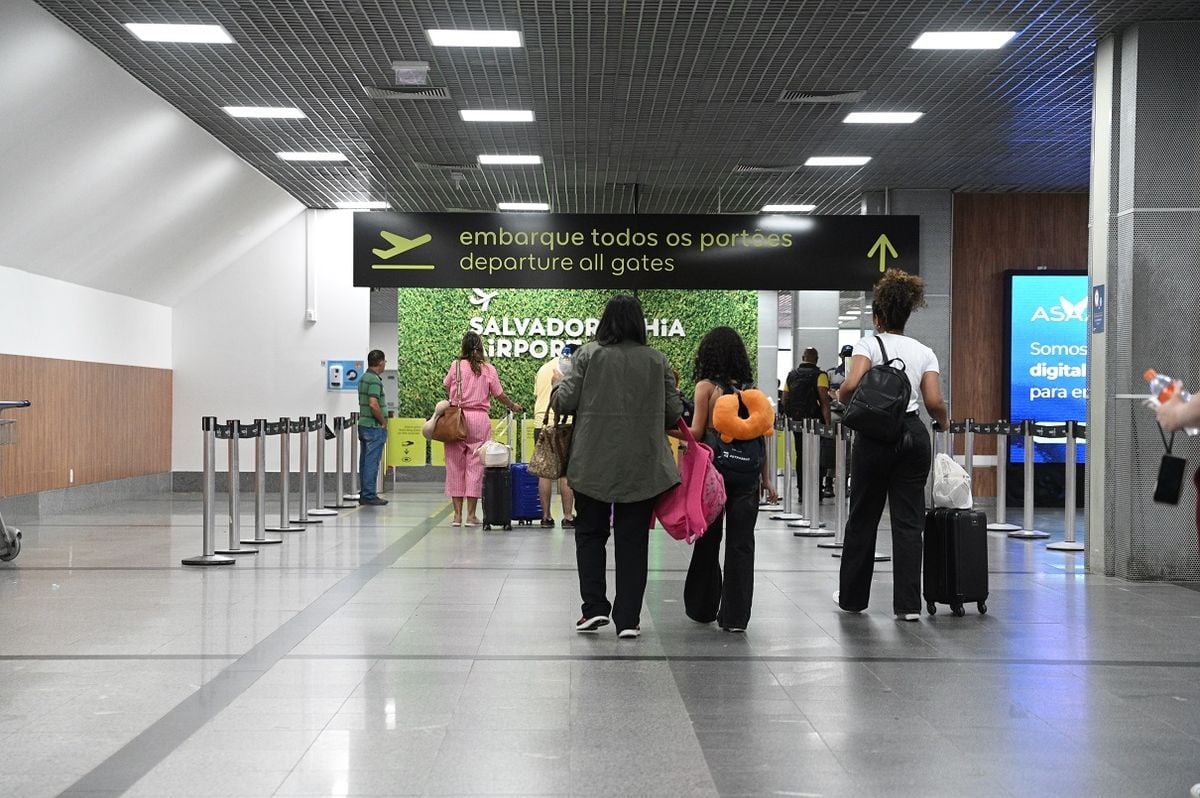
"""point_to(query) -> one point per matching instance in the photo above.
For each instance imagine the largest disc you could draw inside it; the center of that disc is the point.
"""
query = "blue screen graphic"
(1048, 357)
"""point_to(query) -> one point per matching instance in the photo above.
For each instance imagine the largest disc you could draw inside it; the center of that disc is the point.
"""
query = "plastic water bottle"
(564, 365)
(1162, 389)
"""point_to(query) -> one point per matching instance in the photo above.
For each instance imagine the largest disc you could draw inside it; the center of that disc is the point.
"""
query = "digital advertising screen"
(1047, 356)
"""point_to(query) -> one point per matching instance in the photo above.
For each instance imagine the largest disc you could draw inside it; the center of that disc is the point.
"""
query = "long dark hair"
(721, 358)
(472, 352)
(623, 320)
(897, 295)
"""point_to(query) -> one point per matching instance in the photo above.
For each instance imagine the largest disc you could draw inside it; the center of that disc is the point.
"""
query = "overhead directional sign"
(624, 252)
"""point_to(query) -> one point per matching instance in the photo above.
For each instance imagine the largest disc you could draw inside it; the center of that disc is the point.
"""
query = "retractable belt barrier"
(340, 425)
(352, 495)
(841, 459)
(788, 513)
(1070, 432)
(810, 525)
(235, 432)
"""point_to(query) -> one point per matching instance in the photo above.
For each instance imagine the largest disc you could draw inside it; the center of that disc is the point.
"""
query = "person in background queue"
(894, 473)
(806, 395)
(547, 377)
(471, 382)
(372, 428)
(624, 397)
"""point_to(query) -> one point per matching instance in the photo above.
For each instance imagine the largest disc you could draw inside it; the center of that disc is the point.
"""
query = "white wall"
(44, 317)
(242, 347)
(384, 338)
(106, 184)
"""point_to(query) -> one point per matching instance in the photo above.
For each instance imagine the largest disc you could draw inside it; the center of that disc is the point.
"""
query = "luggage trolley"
(10, 537)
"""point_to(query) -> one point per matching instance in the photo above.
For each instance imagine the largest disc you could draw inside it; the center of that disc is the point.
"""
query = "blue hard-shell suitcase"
(526, 504)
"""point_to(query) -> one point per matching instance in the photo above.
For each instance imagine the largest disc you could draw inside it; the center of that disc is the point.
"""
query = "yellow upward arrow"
(884, 247)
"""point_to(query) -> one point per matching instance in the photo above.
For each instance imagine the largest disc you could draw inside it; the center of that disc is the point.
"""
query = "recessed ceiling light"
(963, 40)
(509, 160)
(362, 205)
(851, 160)
(788, 208)
(311, 156)
(523, 206)
(883, 117)
(262, 112)
(474, 38)
(202, 34)
(496, 116)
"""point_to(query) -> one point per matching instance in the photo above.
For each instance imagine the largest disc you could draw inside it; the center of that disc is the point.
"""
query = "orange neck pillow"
(728, 421)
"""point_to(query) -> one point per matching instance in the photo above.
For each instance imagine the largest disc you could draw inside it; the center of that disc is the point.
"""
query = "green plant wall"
(432, 322)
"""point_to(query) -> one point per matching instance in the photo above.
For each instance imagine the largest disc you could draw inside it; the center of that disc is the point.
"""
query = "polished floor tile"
(384, 652)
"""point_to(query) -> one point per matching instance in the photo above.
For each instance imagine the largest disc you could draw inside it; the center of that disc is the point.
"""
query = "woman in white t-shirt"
(894, 473)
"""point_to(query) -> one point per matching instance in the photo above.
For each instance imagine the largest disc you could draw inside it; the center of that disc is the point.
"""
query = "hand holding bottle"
(1173, 406)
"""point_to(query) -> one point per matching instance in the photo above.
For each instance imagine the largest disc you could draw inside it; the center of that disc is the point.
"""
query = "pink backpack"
(687, 509)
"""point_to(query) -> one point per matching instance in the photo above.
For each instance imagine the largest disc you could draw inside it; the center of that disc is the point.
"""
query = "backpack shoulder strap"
(882, 349)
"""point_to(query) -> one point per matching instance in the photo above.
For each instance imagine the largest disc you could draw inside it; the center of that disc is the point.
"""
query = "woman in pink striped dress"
(471, 383)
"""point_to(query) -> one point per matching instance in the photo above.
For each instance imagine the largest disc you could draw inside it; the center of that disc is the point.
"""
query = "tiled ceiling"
(640, 106)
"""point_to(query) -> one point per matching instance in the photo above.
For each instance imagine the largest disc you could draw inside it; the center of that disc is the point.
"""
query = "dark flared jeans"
(708, 597)
(894, 473)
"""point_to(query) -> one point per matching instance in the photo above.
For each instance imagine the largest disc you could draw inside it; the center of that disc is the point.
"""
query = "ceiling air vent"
(447, 167)
(401, 93)
(820, 97)
(755, 169)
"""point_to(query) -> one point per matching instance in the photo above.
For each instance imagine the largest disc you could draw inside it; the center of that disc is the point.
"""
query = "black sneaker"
(593, 624)
(376, 502)
(568, 523)
(547, 523)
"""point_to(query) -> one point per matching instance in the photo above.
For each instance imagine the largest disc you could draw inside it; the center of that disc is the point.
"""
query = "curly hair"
(897, 295)
(721, 358)
(472, 351)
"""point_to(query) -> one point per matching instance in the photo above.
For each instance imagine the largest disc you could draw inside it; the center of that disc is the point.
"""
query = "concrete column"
(1145, 251)
(768, 341)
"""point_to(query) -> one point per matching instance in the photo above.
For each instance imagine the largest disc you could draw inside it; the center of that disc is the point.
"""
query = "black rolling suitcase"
(497, 498)
(956, 559)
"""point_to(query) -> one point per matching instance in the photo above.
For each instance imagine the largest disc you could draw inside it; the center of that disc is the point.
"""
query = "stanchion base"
(1029, 534)
(770, 508)
(306, 521)
(351, 497)
(237, 551)
(285, 529)
(261, 541)
(878, 557)
(209, 559)
(339, 507)
(1002, 527)
(829, 544)
(786, 517)
(1065, 546)
(809, 533)
(321, 511)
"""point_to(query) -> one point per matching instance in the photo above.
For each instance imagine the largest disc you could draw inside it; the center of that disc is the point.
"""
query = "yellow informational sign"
(782, 439)
(406, 445)
(437, 453)
(527, 427)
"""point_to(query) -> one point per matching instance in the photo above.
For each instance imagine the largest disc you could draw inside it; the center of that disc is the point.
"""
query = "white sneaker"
(838, 601)
(908, 616)
(629, 634)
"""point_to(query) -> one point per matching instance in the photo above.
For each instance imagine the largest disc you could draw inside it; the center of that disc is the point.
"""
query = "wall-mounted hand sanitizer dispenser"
(335, 376)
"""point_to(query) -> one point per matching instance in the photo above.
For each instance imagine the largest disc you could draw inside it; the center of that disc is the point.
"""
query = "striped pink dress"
(464, 471)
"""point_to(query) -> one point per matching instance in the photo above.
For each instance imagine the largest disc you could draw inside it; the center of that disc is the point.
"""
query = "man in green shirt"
(372, 428)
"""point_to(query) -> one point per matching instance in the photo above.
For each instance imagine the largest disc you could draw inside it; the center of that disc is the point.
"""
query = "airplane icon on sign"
(400, 244)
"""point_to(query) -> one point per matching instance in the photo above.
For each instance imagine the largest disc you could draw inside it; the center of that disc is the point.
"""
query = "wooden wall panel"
(994, 233)
(104, 421)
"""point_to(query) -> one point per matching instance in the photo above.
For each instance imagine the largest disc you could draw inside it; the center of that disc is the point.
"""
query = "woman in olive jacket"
(623, 396)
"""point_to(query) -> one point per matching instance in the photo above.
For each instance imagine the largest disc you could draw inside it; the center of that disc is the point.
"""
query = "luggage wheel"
(486, 527)
(958, 610)
(11, 547)
(982, 607)
(931, 608)
(508, 527)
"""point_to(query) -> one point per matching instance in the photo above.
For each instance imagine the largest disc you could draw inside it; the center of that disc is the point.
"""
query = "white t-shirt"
(918, 359)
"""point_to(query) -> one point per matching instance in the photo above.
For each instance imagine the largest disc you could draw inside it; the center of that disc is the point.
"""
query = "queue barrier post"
(317, 425)
(1074, 431)
(1002, 429)
(968, 430)
(302, 427)
(232, 431)
(1027, 530)
(772, 469)
(789, 513)
(208, 513)
(812, 526)
(260, 485)
(353, 493)
(339, 488)
(841, 443)
(284, 429)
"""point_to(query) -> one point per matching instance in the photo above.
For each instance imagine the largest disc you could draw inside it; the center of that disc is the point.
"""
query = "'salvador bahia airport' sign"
(559, 250)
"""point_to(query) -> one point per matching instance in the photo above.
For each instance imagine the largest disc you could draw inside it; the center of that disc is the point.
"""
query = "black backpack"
(803, 400)
(739, 461)
(880, 402)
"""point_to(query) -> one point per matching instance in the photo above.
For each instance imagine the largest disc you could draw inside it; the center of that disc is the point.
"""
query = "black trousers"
(705, 596)
(892, 473)
(631, 529)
